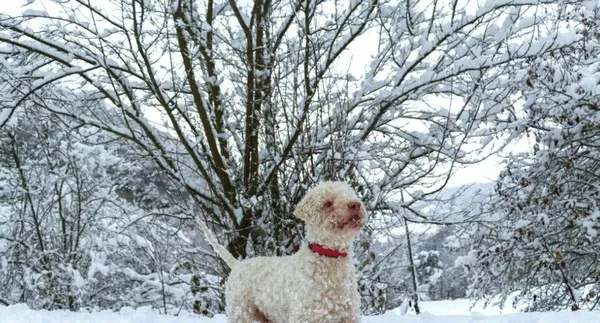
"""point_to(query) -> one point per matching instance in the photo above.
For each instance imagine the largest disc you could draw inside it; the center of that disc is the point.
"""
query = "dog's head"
(332, 206)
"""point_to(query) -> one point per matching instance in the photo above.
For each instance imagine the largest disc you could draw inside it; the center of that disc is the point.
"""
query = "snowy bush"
(543, 244)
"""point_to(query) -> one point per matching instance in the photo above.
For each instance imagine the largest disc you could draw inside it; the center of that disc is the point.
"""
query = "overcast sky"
(11, 6)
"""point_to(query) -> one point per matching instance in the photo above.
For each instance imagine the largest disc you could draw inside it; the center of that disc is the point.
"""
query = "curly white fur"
(305, 287)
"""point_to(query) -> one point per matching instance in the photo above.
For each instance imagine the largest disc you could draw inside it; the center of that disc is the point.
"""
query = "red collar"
(331, 253)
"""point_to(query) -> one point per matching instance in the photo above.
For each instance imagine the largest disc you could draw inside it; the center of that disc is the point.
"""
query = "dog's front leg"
(350, 320)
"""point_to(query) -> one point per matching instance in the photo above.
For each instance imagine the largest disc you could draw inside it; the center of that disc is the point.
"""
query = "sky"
(12, 7)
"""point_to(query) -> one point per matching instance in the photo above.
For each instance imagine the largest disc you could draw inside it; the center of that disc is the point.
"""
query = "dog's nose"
(354, 206)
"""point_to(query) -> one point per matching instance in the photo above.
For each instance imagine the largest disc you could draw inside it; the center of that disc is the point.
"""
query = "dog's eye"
(327, 204)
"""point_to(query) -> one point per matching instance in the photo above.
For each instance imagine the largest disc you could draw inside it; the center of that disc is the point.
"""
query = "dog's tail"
(217, 247)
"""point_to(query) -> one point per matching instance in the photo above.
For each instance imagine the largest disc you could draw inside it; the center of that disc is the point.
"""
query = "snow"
(4, 268)
(437, 311)
(4, 115)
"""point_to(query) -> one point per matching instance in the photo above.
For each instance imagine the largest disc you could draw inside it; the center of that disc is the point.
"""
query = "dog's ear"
(306, 208)
(301, 209)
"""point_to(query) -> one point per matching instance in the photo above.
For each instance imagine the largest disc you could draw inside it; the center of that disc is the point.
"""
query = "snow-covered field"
(441, 311)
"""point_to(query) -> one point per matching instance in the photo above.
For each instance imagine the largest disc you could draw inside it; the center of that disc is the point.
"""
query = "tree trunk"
(413, 272)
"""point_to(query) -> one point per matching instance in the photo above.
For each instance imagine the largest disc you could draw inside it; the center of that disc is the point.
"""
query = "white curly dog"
(316, 284)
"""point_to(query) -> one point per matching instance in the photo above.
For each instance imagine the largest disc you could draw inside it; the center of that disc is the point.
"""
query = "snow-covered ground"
(441, 311)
